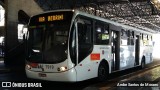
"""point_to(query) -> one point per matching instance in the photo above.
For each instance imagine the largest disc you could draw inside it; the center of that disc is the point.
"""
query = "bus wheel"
(142, 63)
(102, 72)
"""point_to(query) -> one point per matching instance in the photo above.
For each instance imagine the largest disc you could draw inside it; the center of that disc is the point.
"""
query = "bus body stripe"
(95, 56)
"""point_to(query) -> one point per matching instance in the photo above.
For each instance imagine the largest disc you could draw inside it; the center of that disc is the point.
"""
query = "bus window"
(130, 38)
(145, 40)
(73, 45)
(150, 40)
(124, 37)
(101, 34)
(84, 39)
(141, 39)
(84, 34)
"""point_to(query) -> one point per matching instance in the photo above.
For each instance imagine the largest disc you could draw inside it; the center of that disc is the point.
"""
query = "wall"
(12, 46)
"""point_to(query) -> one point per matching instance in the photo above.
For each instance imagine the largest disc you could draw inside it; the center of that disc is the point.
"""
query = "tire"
(103, 72)
(142, 63)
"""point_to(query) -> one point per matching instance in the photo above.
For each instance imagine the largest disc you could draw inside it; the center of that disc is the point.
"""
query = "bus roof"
(115, 23)
(77, 12)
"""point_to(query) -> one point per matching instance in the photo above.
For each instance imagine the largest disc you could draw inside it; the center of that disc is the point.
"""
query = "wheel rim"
(102, 72)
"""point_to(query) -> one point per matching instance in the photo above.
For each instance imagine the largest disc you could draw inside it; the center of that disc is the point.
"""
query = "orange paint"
(95, 56)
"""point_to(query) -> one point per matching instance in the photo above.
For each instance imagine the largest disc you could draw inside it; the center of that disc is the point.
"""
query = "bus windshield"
(47, 42)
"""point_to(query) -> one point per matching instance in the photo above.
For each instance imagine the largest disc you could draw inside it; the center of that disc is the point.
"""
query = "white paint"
(2, 17)
(156, 48)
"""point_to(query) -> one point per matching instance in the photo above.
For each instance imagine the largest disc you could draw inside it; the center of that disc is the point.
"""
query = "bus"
(72, 46)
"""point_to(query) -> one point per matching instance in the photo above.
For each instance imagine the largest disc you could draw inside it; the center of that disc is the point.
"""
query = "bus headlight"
(28, 66)
(62, 69)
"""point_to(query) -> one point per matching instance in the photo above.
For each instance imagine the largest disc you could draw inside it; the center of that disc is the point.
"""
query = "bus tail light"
(62, 69)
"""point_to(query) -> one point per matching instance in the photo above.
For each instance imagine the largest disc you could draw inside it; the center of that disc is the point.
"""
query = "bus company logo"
(6, 84)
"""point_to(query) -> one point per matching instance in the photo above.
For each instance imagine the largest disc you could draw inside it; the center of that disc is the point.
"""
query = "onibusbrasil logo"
(15, 84)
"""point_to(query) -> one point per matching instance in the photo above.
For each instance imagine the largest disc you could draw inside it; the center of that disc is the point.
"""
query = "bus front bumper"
(67, 76)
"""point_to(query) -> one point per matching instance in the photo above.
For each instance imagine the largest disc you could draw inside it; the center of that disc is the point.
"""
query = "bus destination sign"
(51, 18)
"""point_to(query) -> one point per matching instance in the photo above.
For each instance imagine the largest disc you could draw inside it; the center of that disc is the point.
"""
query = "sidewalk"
(17, 65)
(3, 68)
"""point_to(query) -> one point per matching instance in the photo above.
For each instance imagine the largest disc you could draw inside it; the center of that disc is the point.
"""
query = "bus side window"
(130, 38)
(141, 39)
(150, 40)
(73, 45)
(84, 34)
(124, 37)
(101, 34)
(145, 40)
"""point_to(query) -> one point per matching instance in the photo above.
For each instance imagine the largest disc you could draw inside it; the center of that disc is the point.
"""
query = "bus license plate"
(42, 75)
(49, 67)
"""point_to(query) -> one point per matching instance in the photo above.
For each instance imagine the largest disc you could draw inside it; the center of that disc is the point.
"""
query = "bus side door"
(115, 42)
(85, 47)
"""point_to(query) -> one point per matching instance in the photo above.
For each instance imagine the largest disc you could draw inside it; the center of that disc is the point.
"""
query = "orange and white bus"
(71, 46)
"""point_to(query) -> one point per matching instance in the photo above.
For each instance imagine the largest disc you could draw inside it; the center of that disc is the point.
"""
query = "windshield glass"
(48, 42)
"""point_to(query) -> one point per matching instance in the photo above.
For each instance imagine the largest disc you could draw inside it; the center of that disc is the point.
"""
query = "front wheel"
(102, 72)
